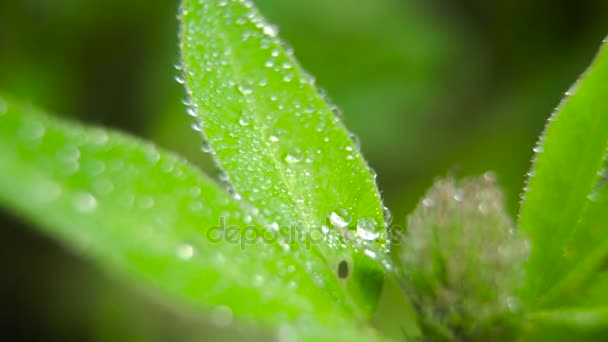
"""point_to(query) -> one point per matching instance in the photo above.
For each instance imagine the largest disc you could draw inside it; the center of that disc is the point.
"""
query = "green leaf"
(151, 217)
(583, 285)
(557, 208)
(282, 147)
(569, 324)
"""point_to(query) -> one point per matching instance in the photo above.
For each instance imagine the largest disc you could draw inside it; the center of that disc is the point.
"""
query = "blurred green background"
(429, 86)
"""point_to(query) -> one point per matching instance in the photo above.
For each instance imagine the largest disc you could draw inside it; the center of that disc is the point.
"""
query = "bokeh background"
(429, 86)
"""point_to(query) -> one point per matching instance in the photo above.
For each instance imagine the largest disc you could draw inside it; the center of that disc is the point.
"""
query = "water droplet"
(258, 280)
(388, 216)
(31, 130)
(93, 167)
(339, 219)
(295, 156)
(191, 111)
(244, 90)
(366, 228)
(180, 79)
(206, 147)
(270, 30)
(273, 227)
(185, 251)
(428, 202)
(274, 138)
(538, 149)
(370, 253)
(221, 316)
(68, 153)
(222, 3)
(197, 126)
(48, 191)
(84, 202)
(244, 120)
(152, 154)
(98, 136)
(269, 63)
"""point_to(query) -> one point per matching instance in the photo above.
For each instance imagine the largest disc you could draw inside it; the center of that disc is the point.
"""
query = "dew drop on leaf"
(205, 147)
(98, 137)
(366, 229)
(84, 202)
(48, 191)
(295, 156)
(273, 227)
(31, 130)
(185, 251)
(325, 229)
(197, 126)
(370, 254)
(180, 79)
(191, 111)
(244, 90)
(339, 218)
(270, 30)
(244, 120)
(258, 280)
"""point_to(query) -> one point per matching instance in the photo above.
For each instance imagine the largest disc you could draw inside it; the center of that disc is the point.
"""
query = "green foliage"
(564, 208)
(282, 148)
(150, 216)
(296, 244)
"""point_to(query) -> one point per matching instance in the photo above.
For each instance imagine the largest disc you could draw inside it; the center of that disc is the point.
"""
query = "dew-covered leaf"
(149, 216)
(562, 186)
(280, 143)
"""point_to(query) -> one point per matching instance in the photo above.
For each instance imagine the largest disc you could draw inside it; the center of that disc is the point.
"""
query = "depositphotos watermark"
(287, 235)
